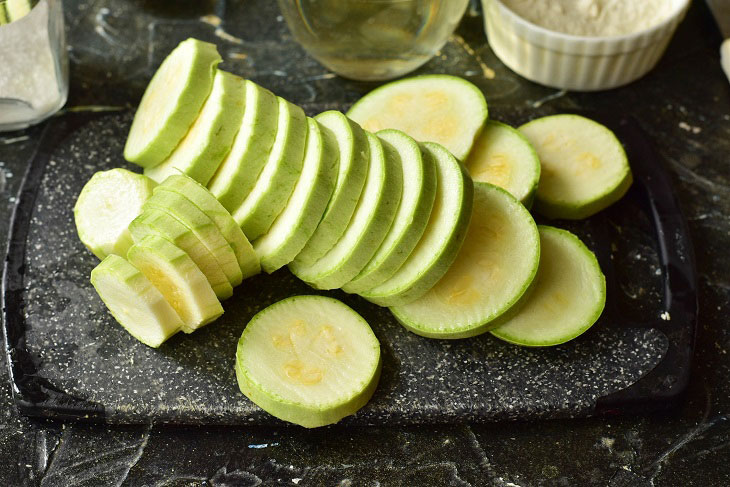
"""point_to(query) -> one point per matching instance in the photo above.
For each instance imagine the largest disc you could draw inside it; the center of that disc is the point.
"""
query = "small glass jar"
(33, 62)
(372, 39)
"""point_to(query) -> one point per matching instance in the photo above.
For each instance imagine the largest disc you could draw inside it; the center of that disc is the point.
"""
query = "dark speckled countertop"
(684, 105)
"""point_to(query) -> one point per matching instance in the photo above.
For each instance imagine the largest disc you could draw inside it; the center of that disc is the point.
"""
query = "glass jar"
(372, 39)
(33, 62)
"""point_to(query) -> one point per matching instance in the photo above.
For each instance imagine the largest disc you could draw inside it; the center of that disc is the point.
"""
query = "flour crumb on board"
(690, 128)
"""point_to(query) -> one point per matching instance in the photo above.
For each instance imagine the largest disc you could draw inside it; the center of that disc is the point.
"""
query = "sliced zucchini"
(157, 222)
(584, 166)
(419, 191)
(171, 102)
(211, 135)
(202, 226)
(489, 278)
(504, 157)
(178, 279)
(134, 302)
(433, 108)
(309, 360)
(354, 158)
(17, 9)
(441, 240)
(295, 225)
(568, 296)
(247, 259)
(369, 225)
(277, 179)
(108, 202)
(238, 172)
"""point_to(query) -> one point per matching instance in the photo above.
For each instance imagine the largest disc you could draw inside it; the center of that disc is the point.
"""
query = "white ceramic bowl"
(576, 62)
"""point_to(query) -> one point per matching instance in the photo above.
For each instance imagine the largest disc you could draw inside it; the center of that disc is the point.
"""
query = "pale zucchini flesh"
(179, 280)
(240, 169)
(369, 225)
(584, 166)
(437, 108)
(295, 225)
(157, 222)
(211, 135)
(568, 296)
(171, 102)
(277, 179)
(309, 360)
(202, 226)
(489, 278)
(419, 191)
(108, 202)
(442, 239)
(504, 157)
(247, 259)
(354, 158)
(134, 302)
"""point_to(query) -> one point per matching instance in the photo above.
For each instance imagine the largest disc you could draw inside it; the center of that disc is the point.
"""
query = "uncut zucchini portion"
(171, 102)
(134, 302)
(210, 137)
(309, 360)
(369, 225)
(568, 296)
(504, 157)
(178, 279)
(584, 166)
(437, 108)
(490, 277)
(419, 192)
(108, 202)
(442, 239)
(295, 225)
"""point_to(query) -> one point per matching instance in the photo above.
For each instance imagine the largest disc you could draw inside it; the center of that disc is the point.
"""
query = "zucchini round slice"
(504, 157)
(240, 169)
(354, 157)
(492, 273)
(280, 173)
(419, 191)
(432, 108)
(171, 102)
(157, 222)
(134, 302)
(370, 222)
(296, 224)
(442, 239)
(211, 135)
(584, 166)
(178, 279)
(568, 296)
(309, 360)
(247, 259)
(108, 202)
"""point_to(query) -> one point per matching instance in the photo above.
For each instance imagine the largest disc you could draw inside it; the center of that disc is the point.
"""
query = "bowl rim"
(676, 15)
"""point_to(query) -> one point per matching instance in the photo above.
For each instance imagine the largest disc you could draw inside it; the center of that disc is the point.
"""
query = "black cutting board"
(69, 359)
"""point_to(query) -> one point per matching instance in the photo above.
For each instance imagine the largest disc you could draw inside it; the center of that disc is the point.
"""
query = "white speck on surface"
(690, 128)
(665, 316)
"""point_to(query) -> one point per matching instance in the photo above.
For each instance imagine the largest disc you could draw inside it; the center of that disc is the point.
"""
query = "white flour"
(593, 17)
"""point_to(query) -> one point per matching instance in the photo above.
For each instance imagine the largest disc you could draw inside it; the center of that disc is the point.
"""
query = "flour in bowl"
(595, 18)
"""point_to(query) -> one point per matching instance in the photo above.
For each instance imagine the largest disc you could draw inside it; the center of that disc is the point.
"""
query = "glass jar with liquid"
(372, 39)
(33, 62)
